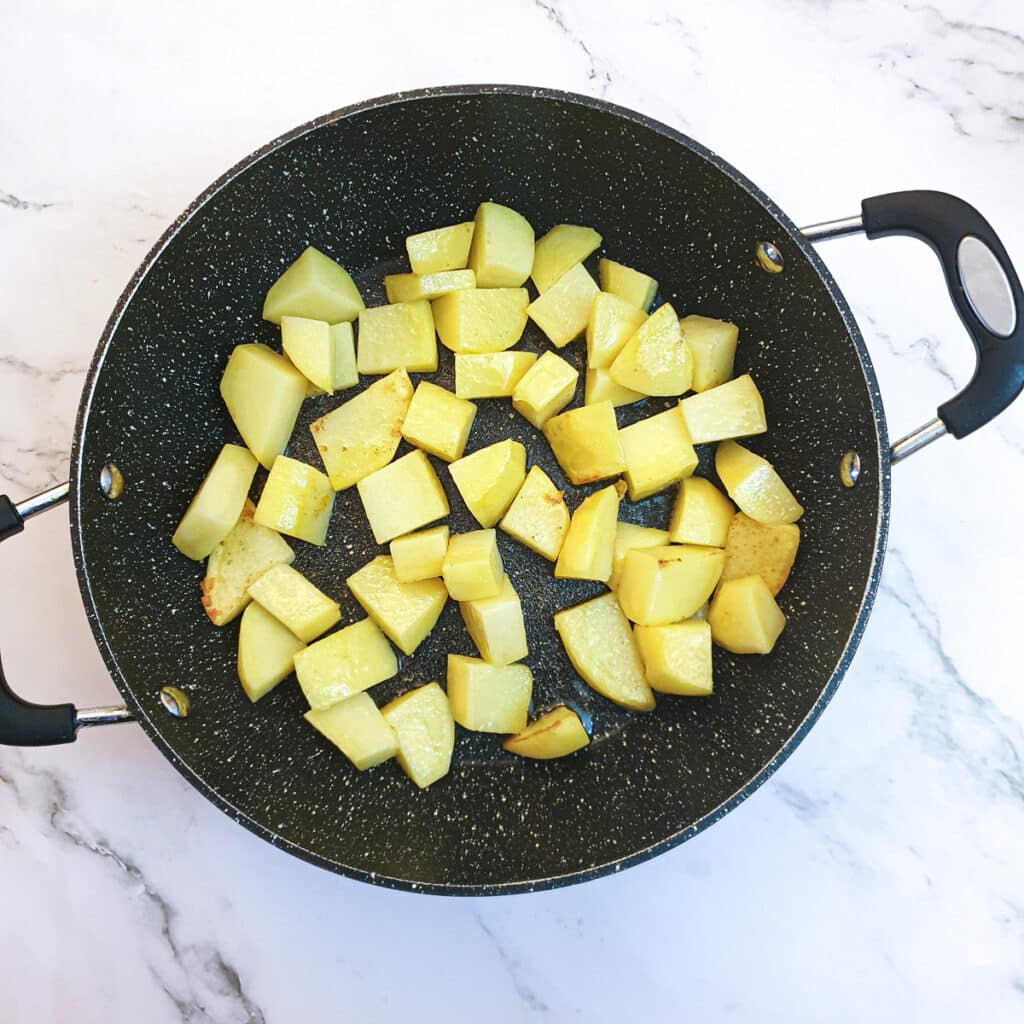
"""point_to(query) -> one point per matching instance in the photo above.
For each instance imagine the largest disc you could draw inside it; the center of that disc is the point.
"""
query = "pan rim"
(752, 784)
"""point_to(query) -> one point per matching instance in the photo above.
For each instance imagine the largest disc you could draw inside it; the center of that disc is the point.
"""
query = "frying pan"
(355, 183)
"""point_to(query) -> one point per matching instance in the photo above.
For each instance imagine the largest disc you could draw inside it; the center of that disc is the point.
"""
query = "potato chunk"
(345, 373)
(767, 550)
(744, 617)
(599, 642)
(423, 724)
(627, 537)
(266, 652)
(656, 359)
(441, 249)
(666, 584)
(501, 252)
(658, 453)
(344, 663)
(490, 374)
(316, 287)
(585, 442)
(555, 734)
(411, 287)
(587, 551)
(495, 625)
(712, 345)
(630, 285)
(730, 410)
(472, 567)
(297, 500)
(310, 347)
(701, 515)
(546, 388)
(559, 250)
(295, 602)
(755, 486)
(613, 321)
(538, 517)
(677, 657)
(358, 729)
(397, 337)
(563, 311)
(481, 320)
(488, 698)
(600, 386)
(489, 478)
(419, 556)
(438, 421)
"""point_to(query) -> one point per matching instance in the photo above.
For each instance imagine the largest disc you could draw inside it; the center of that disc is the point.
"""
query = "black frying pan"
(355, 183)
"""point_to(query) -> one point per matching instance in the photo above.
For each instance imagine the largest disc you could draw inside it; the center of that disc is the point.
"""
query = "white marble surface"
(877, 876)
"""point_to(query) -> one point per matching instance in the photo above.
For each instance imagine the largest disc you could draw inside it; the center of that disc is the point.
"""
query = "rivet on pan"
(175, 701)
(849, 469)
(769, 258)
(111, 481)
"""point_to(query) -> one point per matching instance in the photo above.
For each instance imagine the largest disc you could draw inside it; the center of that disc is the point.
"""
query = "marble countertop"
(876, 876)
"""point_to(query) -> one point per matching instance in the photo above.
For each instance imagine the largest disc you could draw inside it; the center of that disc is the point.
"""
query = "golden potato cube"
(472, 566)
(266, 652)
(501, 252)
(310, 347)
(422, 720)
(767, 550)
(557, 733)
(398, 337)
(613, 321)
(655, 360)
(744, 617)
(733, 409)
(587, 551)
(658, 453)
(495, 625)
(677, 658)
(358, 729)
(263, 393)
(538, 516)
(600, 386)
(297, 500)
(559, 250)
(755, 486)
(217, 505)
(630, 285)
(666, 584)
(627, 537)
(432, 252)
(481, 320)
(546, 388)
(438, 421)
(345, 663)
(488, 698)
(411, 287)
(295, 602)
(419, 556)
(362, 435)
(345, 373)
(712, 346)
(316, 287)
(490, 374)
(489, 479)
(702, 514)
(600, 645)
(563, 311)
(585, 442)
(402, 497)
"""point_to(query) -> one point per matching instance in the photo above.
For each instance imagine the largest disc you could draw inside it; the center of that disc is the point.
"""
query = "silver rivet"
(175, 701)
(769, 258)
(111, 481)
(849, 469)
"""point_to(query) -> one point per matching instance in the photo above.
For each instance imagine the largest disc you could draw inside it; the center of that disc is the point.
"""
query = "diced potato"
(316, 287)
(546, 388)
(422, 720)
(587, 551)
(263, 393)
(362, 435)
(489, 479)
(655, 360)
(419, 556)
(658, 453)
(310, 347)
(600, 386)
(411, 287)
(712, 345)
(559, 250)
(402, 497)
(488, 698)
(501, 252)
(733, 409)
(627, 537)
(345, 373)
(358, 729)
(677, 657)
(563, 311)
(744, 617)
(755, 486)
(438, 422)
(666, 584)
(613, 321)
(635, 288)
(600, 644)
(490, 374)
(481, 320)
(585, 442)
(555, 734)
(295, 602)
(538, 517)
(266, 652)
(701, 515)
(495, 625)
(297, 500)
(396, 337)
(432, 252)
(767, 550)
(345, 663)
(472, 566)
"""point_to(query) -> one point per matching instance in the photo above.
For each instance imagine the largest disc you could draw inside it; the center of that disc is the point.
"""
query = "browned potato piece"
(767, 550)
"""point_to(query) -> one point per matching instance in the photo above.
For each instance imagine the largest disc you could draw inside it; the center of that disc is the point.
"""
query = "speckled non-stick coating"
(355, 184)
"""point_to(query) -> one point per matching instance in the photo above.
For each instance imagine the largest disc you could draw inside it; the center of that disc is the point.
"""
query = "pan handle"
(984, 288)
(22, 723)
